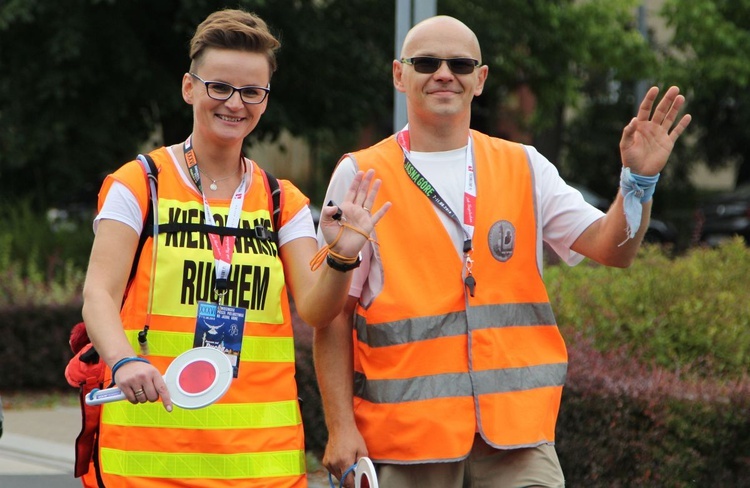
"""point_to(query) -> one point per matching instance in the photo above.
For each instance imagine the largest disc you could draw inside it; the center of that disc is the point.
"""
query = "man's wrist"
(636, 190)
(639, 186)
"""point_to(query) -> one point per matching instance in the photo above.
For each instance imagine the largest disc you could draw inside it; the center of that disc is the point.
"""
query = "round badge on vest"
(502, 240)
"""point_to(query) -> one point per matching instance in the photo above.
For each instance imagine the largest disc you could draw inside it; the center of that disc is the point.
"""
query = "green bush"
(30, 288)
(689, 314)
(624, 424)
(44, 243)
(42, 259)
(35, 345)
(657, 391)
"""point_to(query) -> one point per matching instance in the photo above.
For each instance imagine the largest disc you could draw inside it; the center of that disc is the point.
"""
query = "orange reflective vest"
(253, 436)
(433, 365)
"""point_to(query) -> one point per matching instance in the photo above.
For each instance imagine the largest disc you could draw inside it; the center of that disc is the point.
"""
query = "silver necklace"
(213, 185)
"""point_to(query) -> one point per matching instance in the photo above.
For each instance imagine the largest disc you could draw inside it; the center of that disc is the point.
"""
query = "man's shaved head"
(430, 33)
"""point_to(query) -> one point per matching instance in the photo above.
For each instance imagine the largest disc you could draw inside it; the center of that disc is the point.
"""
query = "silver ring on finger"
(366, 209)
(139, 392)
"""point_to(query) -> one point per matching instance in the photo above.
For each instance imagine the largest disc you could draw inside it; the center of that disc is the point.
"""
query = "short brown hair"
(237, 30)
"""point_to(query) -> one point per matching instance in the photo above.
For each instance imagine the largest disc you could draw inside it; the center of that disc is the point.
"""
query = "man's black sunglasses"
(429, 64)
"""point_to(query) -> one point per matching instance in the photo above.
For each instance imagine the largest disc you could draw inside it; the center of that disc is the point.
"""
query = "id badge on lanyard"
(223, 249)
(470, 200)
(217, 325)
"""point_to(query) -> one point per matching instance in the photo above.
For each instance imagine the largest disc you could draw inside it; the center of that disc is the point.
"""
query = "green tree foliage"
(334, 78)
(711, 48)
(86, 82)
(560, 49)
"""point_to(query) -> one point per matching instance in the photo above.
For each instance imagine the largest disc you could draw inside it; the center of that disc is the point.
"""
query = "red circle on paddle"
(197, 376)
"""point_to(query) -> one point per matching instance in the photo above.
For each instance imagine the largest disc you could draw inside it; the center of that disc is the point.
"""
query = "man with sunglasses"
(446, 367)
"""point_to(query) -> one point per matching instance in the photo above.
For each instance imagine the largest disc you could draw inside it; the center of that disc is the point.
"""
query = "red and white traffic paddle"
(196, 378)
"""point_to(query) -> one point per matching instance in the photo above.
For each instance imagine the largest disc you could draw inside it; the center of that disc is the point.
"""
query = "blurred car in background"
(659, 231)
(724, 216)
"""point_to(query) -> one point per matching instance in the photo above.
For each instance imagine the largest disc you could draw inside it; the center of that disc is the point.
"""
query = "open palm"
(356, 212)
(647, 141)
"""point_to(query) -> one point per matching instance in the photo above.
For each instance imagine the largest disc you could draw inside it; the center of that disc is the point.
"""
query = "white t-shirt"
(562, 213)
(121, 205)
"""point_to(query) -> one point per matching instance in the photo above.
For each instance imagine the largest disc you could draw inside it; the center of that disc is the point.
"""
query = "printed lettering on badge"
(221, 327)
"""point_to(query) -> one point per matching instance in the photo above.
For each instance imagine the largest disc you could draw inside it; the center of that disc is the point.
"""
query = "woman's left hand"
(356, 211)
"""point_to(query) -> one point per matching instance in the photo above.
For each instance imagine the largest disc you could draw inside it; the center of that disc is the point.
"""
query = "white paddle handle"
(107, 395)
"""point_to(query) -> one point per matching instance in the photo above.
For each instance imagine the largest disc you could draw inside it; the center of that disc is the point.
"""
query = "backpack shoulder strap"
(151, 173)
(275, 197)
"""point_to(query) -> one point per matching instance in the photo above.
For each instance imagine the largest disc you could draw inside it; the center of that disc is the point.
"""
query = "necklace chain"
(213, 185)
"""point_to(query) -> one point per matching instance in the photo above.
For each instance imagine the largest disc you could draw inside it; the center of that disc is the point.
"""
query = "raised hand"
(356, 211)
(647, 141)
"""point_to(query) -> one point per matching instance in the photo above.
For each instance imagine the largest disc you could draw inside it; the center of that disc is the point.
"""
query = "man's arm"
(645, 146)
(334, 367)
(606, 240)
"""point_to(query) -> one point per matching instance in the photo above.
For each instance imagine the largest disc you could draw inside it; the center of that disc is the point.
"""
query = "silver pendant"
(213, 186)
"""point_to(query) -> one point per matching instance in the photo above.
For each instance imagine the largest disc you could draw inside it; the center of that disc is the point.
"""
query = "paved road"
(36, 449)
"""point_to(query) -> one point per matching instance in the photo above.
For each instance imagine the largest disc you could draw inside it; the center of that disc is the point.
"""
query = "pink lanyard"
(223, 249)
(470, 199)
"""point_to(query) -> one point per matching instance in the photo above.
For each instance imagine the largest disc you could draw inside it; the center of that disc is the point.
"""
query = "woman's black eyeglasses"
(429, 64)
(223, 91)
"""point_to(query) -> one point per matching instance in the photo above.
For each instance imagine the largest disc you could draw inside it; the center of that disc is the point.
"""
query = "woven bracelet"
(123, 361)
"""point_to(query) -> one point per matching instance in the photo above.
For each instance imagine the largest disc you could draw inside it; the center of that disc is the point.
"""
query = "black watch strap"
(343, 267)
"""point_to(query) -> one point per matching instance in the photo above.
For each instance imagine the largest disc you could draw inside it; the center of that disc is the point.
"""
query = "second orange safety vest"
(434, 365)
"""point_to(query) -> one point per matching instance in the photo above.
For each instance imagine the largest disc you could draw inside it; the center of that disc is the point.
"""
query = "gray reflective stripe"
(519, 379)
(411, 330)
(459, 384)
(513, 314)
(412, 389)
(453, 324)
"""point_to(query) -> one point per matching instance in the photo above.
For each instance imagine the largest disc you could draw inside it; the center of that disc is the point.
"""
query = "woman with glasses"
(214, 271)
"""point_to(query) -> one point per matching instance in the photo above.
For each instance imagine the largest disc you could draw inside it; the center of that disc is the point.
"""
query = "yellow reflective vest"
(433, 365)
(251, 437)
